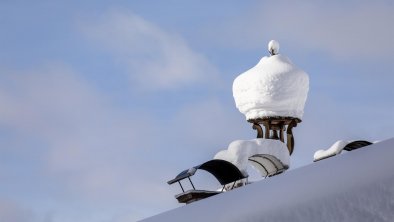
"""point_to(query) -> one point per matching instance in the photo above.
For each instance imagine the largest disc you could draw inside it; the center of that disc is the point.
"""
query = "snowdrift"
(356, 186)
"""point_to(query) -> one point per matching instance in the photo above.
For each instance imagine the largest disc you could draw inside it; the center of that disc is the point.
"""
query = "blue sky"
(102, 102)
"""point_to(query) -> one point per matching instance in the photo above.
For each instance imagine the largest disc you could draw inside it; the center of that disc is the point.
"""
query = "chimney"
(272, 96)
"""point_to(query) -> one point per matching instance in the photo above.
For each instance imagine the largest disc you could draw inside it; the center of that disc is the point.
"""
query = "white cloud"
(75, 143)
(99, 155)
(80, 147)
(348, 30)
(155, 58)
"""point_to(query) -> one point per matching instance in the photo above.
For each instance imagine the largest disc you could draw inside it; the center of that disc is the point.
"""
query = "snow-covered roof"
(355, 186)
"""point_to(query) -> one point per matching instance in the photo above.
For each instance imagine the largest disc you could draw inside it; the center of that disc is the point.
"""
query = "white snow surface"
(273, 46)
(239, 151)
(355, 187)
(335, 149)
(274, 87)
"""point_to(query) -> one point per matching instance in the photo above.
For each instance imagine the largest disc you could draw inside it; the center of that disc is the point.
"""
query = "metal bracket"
(275, 128)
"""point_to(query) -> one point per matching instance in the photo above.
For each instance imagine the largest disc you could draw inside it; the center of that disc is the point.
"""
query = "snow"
(358, 186)
(273, 47)
(335, 149)
(239, 151)
(274, 87)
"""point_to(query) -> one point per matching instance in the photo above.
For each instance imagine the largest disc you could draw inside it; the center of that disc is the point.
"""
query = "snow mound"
(239, 151)
(274, 87)
(335, 149)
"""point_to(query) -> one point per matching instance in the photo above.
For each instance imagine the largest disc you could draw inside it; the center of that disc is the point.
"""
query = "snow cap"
(274, 87)
(273, 47)
(335, 149)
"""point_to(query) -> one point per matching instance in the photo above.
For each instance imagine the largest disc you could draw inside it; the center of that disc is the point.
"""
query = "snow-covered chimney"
(273, 94)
